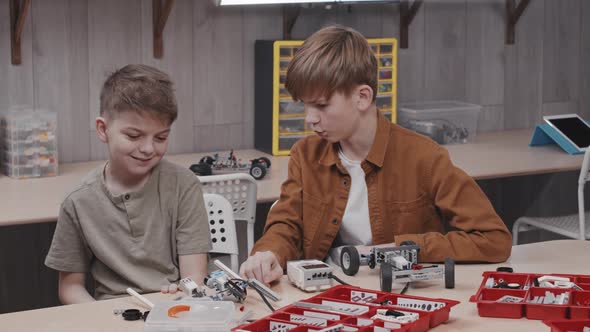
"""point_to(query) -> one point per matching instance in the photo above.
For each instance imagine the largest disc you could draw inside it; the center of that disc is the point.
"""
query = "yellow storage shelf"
(287, 123)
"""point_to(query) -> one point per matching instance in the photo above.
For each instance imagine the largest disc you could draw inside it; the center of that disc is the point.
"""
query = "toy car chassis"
(215, 164)
(397, 264)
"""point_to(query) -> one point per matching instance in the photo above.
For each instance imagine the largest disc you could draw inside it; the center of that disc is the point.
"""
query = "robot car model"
(397, 264)
(209, 165)
(226, 283)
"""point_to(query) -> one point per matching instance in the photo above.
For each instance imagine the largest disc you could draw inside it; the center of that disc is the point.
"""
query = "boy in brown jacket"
(364, 181)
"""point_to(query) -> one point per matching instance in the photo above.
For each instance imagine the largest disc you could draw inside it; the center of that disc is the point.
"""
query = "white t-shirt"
(355, 228)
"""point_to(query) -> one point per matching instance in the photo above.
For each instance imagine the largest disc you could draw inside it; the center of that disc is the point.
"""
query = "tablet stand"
(545, 134)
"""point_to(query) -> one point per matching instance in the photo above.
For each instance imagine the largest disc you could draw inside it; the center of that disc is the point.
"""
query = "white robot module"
(310, 275)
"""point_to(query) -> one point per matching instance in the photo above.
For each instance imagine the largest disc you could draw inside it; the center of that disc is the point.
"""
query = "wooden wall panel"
(16, 82)
(411, 80)
(176, 62)
(218, 137)
(60, 57)
(491, 118)
(79, 103)
(561, 50)
(217, 64)
(555, 108)
(484, 73)
(114, 40)
(366, 19)
(444, 58)
(389, 21)
(209, 54)
(523, 72)
(265, 23)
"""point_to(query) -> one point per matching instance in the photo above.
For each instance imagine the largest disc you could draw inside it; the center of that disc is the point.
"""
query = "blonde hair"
(334, 59)
(139, 88)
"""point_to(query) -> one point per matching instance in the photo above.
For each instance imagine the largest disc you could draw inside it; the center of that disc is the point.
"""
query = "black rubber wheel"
(372, 261)
(449, 273)
(506, 269)
(350, 260)
(201, 169)
(207, 160)
(265, 161)
(258, 171)
(386, 277)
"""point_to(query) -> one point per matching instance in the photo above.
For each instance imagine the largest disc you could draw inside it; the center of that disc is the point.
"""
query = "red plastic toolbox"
(517, 295)
(570, 325)
(354, 308)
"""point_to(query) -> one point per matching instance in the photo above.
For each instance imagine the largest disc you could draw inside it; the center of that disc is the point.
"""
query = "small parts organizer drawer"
(570, 325)
(534, 296)
(347, 308)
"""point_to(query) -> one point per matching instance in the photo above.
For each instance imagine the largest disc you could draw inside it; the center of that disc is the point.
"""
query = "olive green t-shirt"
(133, 239)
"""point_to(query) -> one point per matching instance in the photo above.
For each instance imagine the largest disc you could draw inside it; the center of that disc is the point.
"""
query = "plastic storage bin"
(190, 316)
(445, 122)
(28, 143)
(490, 301)
(354, 308)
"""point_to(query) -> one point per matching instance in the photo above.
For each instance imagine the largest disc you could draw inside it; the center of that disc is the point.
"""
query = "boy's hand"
(263, 266)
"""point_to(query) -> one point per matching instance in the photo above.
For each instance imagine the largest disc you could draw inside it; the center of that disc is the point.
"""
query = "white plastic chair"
(240, 190)
(222, 227)
(573, 225)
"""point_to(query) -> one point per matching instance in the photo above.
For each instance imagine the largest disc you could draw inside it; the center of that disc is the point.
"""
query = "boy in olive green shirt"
(137, 221)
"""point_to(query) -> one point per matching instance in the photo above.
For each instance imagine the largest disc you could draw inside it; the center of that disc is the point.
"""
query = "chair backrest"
(240, 190)
(222, 227)
(584, 177)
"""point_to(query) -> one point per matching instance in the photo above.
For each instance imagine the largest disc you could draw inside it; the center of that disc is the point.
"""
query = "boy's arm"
(193, 241)
(72, 288)
(193, 266)
(479, 236)
(70, 256)
(283, 232)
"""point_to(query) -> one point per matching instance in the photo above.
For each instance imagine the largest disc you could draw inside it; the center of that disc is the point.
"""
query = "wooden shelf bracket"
(290, 15)
(513, 13)
(18, 12)
(160, 17)
(407, 14)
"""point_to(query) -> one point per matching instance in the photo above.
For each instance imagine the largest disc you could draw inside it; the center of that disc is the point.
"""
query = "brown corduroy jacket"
(414, 191)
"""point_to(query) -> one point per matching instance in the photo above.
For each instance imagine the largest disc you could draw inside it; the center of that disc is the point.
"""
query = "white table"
(564, 256)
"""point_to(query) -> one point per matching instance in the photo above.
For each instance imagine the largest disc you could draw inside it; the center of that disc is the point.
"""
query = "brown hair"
(139, 88)
(335, 58)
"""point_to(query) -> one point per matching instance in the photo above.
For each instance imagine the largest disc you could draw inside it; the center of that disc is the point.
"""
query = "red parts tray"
(537, 301)
(348, 308)
(569, 325)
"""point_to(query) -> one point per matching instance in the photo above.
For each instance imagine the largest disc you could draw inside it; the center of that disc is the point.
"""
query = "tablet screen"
(576, 130)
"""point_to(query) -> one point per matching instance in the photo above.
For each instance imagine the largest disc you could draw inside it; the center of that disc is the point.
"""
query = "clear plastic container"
(203, 316)
(28, 143)
(445, 122)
